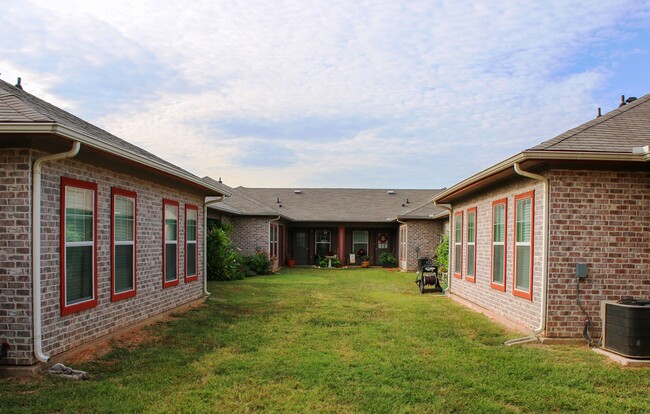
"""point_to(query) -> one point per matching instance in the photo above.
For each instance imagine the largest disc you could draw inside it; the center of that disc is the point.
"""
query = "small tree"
(222, 260)
(441, 254)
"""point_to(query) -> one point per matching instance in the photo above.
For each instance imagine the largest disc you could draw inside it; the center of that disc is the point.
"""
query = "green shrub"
(441, 254)
(387, 258)
(323, 262)
(222, 261)
(258, 264)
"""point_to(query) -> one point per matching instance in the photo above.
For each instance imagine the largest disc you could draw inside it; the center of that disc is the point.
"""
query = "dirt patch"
(129, 340)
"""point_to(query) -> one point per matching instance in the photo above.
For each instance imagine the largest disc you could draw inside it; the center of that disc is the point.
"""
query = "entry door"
(300, 247)
(383, 244)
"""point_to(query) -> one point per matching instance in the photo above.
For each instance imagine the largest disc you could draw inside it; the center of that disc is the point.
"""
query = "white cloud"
(438, 77)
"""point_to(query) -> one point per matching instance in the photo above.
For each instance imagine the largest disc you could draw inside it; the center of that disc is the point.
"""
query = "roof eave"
(72, 134)
(539, 155)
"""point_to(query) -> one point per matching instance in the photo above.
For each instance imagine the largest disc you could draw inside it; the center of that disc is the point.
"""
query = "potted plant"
(387, 259)
(291, 262)
(364, 258)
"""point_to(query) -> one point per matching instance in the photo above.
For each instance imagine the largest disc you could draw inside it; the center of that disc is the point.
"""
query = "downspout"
(545, 220)
(36, 245)
(449, 210)
(269, 245)
(205, 242)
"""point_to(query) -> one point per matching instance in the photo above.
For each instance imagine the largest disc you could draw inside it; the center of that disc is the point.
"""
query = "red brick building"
(520, 228)
(309, 223)
(96, 234)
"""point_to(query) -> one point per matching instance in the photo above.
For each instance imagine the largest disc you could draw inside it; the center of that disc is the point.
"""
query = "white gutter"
(205, 242)
(644, 151)
(36, 245)
(449, 210)
(90, 141)
(541, 155)
(544, 180)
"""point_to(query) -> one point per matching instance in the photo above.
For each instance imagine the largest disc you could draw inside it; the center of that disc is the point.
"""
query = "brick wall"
(15, 258)
(422, 238)
(63, 333)
(602, 219)
(523, 311)
(250, 234)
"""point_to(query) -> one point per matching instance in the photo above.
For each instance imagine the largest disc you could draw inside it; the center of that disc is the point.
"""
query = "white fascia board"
(66, 132)
(541, 156)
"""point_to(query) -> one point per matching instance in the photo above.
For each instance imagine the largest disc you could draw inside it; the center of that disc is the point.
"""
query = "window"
(360, 241)
(191, 251)
(471, 245)
(499, 214)
(78, 245)
(323, 240)
(458, 246)
(274, 237)
(170, 243)
(524, 204)
(123, 252)
(402, 243)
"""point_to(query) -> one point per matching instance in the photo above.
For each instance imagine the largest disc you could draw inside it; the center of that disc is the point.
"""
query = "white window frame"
(67, 185)
(526, 294)
(503, 243)
(165, 243)
(131, 197)
(189, 277)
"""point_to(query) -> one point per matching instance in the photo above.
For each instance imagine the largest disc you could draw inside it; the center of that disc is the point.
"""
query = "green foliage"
(323, 262)
(258, 264)
(387, 258)
(341, 341)
(222, 260)
(441, 254)
(224, 263)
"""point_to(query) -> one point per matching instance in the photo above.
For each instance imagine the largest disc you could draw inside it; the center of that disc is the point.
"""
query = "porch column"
(342, 244)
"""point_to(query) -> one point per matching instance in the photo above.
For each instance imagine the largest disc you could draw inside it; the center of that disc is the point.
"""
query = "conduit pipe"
(449, 210)
(205, 242)
(545, 219)
(36, 245)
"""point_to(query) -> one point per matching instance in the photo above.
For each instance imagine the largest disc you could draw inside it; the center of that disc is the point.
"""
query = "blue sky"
(364, 94)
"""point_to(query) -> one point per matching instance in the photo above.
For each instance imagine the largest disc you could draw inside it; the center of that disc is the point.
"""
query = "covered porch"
(349, 242)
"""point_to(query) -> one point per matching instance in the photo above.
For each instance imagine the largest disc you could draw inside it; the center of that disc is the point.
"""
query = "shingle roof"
(18, 106)
(612, 137)
(617, 131)
(334, 204)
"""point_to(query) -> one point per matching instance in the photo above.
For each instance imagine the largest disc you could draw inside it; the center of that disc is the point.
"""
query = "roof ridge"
(590, 124)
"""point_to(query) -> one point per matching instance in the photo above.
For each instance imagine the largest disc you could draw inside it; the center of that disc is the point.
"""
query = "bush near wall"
(224, 263)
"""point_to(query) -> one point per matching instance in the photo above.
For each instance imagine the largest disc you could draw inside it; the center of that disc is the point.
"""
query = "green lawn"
(311, 340)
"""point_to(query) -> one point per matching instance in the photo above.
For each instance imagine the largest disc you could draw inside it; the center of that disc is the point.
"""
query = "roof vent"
(630, 99)
(599, 113)
(622, 101)
(297, 191)
(18, 85)
(390, 192)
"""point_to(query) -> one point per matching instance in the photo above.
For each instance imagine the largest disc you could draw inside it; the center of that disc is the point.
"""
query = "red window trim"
(194, 277)
(493, 285)
(458, 275)
(128, 293)
(520, 293)
(166, 284)
(90, 303)
(467, 276)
